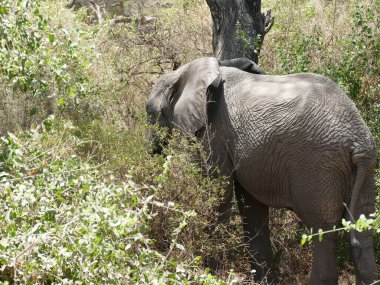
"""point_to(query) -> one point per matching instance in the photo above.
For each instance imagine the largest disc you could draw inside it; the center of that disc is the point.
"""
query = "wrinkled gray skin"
(293, 141)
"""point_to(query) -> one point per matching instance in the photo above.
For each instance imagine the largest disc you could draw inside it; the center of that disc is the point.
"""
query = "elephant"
(292, 141)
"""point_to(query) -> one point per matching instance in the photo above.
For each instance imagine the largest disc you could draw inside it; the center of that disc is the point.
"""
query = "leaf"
(51, 38)
(35, 228)
(304, 239)
(33, 111)
(12, 137)
(48, 123)
(60, 102)
(3, 10)
(345, 223)
(4, 243)
(148, 199)
(180, 246)
(320, 235)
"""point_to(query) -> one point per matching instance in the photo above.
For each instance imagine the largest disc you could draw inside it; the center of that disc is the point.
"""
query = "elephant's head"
(179, 98)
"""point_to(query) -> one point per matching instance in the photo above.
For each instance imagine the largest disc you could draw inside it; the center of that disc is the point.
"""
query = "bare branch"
(268, 21)
(96, 9)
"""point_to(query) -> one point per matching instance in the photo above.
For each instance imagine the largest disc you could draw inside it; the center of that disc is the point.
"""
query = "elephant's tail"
(360, 181)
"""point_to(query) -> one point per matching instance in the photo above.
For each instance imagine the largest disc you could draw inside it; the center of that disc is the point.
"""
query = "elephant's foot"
(367, 276)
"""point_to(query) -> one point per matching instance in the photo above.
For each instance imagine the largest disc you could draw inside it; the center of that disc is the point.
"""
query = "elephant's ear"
(244, 64)
(189, 98)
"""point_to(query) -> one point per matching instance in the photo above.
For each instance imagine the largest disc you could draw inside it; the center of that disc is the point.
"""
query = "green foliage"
(65, 220)
(182, 182)
(362, 224)
(40, 62)
(21, 38)
(179, 184)
(358, 72)
(295, 57)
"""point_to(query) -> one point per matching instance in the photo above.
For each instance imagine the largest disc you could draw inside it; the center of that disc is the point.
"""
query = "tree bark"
(239, 28)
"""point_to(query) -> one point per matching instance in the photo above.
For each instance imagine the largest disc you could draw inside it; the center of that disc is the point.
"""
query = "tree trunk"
(238, 28)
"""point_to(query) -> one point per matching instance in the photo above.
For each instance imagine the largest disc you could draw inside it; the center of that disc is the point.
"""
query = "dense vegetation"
(82, 198)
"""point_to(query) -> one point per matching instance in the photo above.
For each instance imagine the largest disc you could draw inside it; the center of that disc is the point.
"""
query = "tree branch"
(268, 21)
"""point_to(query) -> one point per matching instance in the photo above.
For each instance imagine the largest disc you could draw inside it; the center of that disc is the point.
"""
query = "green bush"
(43, 65)
(65, 220)
(182, 182)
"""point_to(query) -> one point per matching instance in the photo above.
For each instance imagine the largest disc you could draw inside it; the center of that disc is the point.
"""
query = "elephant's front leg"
(324, 270)
(255, 217)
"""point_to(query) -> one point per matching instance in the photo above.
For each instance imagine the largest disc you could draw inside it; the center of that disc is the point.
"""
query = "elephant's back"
(302, 107)
(286, 126)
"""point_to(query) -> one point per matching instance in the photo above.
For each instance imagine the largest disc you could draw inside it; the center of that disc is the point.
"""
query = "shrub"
(42, 64)
(65, 220)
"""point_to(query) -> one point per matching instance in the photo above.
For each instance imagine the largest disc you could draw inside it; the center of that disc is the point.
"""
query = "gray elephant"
(294, 141)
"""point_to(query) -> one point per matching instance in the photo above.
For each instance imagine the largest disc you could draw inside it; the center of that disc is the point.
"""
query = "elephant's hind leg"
(364, 259)
(320, 206)
(324, 269)
(364, 255)
(255, 217)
